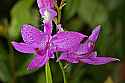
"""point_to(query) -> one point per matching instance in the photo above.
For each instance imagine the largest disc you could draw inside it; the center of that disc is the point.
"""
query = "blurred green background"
(77, 15)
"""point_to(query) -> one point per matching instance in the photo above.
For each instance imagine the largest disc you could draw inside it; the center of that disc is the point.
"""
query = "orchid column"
(46, 9)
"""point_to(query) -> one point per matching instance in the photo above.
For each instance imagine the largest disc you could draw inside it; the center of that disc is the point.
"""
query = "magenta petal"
(93, 59)
(31, 34)
(23, 47)
(95, 33)
(48, 27)
(45, 3)
(69, 57)
(52, 56)
(98, 60)
(44, 40)
(37, 62)
(67, 40)
(42, 11)
(50, 53)
(84, 48)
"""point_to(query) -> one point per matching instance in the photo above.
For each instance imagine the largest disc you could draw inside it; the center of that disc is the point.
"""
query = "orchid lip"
(39, 51)
(42, 52)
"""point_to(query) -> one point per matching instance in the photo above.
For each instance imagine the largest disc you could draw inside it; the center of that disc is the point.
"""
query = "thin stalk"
(64, 76)
(59, 16)
(48, 73)
(63, 71)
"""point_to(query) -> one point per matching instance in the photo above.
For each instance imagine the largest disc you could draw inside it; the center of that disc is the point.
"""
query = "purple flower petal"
(31, 34)
(98, 60)
(93, 59)
(38, 62)
(45, 3)
(50, 53)
(95, 33)
(69, 57)
(52, 56)
(67, 40)
(44, 40)
(22, 47)
(48, 27)
(86, 47)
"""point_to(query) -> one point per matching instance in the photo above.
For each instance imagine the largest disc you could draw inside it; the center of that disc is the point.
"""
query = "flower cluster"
(85, 52)
(44, 45)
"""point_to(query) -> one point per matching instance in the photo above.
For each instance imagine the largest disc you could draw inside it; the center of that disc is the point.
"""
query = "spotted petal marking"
(67, 40)
(31, 34)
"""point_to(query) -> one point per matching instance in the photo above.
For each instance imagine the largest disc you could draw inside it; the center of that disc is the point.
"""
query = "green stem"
(62, 69)
(59, 17)
(64, 76)
(48, 73)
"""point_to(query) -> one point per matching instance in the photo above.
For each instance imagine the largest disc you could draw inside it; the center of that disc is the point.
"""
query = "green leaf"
(48, 73)
(21, 14)
(92, 12)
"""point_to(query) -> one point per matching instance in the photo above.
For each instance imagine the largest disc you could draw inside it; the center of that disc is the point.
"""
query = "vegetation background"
(77, 15)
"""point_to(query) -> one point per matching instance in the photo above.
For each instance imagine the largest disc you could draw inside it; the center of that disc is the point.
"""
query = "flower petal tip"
(58, 59)
(86, 36)
(115, 59)
(12, 42)
(30, 67)
(98, 26)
